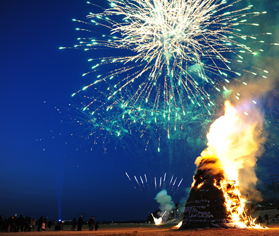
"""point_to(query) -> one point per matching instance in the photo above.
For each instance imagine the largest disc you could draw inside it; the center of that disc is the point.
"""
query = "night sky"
(44, 169)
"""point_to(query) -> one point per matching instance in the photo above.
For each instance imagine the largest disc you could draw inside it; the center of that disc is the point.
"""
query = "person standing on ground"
(20, 223)
(74, 222)
(49, 223)
(96, 226)
(80, 222)
(91, 223)
(266, 219)
(40, 222)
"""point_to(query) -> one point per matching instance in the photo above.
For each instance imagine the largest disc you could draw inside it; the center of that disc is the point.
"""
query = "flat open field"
(145, 229)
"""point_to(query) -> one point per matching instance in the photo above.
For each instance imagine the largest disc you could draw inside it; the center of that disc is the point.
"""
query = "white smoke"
(258, 89)
(182, 202)
(165, 201)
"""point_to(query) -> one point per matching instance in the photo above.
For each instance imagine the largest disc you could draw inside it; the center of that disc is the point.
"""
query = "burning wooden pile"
(215, 199)
(209, 205)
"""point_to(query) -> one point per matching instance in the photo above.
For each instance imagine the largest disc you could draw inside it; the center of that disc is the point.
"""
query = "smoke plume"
(165, 201)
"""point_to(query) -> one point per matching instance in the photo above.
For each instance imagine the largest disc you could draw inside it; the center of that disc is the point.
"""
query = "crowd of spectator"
(27, 224)
(23, 224)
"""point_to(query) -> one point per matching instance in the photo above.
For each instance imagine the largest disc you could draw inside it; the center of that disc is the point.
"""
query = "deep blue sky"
(37, 165)
(41, 165)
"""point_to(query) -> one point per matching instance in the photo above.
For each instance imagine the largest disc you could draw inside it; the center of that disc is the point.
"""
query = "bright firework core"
(176, 52)
(161, 65)
(216, 196)
(184, 45)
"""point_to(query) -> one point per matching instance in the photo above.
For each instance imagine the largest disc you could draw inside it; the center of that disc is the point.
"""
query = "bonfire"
(216, 198)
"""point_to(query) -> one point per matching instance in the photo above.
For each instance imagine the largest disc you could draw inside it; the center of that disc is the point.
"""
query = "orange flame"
(178, 225)
(233, 140)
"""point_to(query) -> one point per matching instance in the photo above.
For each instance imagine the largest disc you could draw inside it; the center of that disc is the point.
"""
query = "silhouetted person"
(46, 221)
(40, 222)
(91, 223)
(32, 224)
(15, 225)
(74, 222)
(12, 223)
(20, 223)
(26, 224)
(266, 219)
(49, 224)
(80, 222)
(1, 222)
(5, 226)
(260, 220)
(96, 226)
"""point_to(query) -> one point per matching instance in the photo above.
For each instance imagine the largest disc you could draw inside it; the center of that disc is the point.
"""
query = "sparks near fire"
(225, 172)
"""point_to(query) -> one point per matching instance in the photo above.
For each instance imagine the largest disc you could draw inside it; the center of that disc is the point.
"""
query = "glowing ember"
(233, 144)
(178, 225)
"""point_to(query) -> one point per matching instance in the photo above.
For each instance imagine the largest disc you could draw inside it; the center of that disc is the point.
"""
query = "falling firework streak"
(171, 180)
(130, 180)
(141, 181)
(174, 181)
(127, 176)
(180, 182)
(155, 182)
(137, 180)
(158, 183)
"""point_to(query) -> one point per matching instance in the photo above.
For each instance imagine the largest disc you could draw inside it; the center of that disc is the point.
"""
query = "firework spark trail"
(157, 182)
(137, 180)
(127, 176)
(178, 48)
(174, 181)
(180, 182)
(130, 180)
(171, 180)
(177, 187)
(122, 125)
(169, 57)
(141, 181)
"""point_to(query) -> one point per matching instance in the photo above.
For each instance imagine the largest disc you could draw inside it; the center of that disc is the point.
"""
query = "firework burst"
(160, 65)
(175, 52)
(122, 124)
